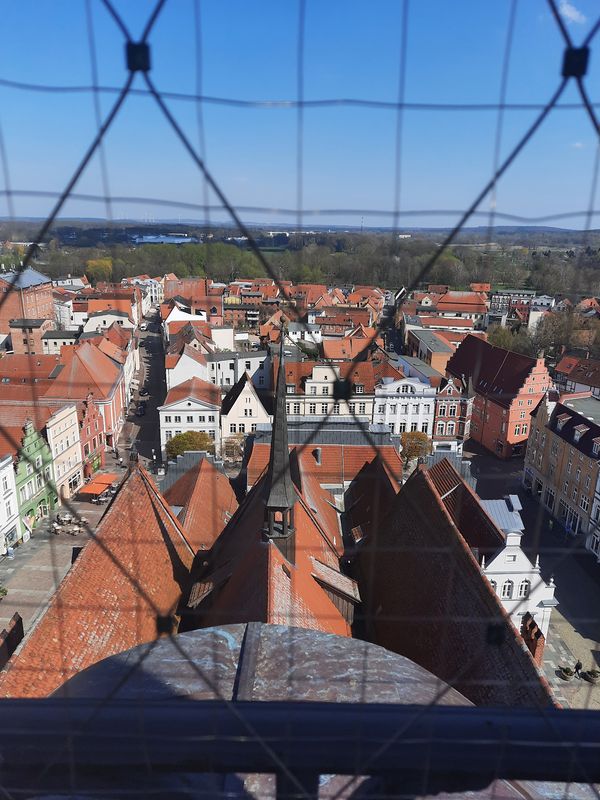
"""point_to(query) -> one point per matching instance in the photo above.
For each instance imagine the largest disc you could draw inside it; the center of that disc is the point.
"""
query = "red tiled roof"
(258, 584)
(345, 349)
(110, 304)
(339, 462)
(586, 372)
(424, 596)
(207, 500)
(17, 367)
(86, 369)
(195, 388)
(566, 364)
(135, 569)
(369, 497)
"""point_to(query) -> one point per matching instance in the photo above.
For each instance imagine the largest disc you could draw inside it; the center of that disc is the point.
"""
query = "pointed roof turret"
(280, 494)
(280, 488)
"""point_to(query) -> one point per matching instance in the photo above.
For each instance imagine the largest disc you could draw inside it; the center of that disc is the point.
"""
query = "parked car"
(144, 392)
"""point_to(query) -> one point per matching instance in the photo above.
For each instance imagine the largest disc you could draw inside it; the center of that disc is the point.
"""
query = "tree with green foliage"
(98, 269)
(415, 444)
(190, 440)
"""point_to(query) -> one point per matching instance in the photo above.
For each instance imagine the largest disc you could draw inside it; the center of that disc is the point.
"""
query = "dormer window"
(290, 388)
(579, 431)
(560, 421)
(596, 447)
(359, 388)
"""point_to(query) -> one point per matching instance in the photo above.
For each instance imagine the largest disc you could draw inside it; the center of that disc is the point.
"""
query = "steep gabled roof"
(497, 373)
(208, 502)
(428, 600)
(233, 394)
(135, 569)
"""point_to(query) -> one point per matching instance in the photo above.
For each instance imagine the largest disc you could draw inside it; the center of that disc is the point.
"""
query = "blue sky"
(249, 52)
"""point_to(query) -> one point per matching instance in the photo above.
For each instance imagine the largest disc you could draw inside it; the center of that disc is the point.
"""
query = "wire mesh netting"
(373, 590)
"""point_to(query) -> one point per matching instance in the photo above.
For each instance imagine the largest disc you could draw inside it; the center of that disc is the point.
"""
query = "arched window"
(450, 429)
(440, 428)
(524, 588)
(507, 590)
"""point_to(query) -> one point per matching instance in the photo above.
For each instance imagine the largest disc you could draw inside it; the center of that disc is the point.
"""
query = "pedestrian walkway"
(39, 565)
(577, 693)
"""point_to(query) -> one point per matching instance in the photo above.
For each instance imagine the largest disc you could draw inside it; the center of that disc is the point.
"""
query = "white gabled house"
(242, 410)
(404, 405)
(181, 367)
(194, 405)
(10, 521)
(517, 582)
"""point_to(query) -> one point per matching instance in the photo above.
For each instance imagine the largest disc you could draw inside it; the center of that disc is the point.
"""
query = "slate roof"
(135, 568)
(432, 341)
(497, 373)
(233, 394)
(26, 323)
(61, 335)
(573, 413)
(25, 279)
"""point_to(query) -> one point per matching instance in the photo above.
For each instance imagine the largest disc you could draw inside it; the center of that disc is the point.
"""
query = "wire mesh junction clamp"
(138, 56)
(575, 62)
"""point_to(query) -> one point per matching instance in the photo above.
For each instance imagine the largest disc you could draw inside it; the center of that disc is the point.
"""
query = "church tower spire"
(280, 494)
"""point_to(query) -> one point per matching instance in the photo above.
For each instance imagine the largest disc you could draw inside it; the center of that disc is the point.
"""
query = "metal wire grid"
(210, 182)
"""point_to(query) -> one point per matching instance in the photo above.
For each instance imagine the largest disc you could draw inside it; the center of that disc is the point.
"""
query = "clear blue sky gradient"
(249, 51)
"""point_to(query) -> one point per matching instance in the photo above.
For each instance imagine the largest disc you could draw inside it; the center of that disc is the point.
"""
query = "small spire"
(280, 494)
(537, 561)
(482, 563)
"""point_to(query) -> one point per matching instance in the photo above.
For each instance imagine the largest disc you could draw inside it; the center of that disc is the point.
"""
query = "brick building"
(507, 385)
(30, 296)
(27, 335)
(453, 411)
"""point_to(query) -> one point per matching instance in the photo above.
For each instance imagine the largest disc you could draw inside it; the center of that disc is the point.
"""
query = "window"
(313, 390)
(442, 411)
(425, 427)
(248, 365)
(4, 483)
(578, 473)
(524, 588)
(323, 408)
(414, 426)
(522, 415)
(233, 428)
(296, 408)
(289, 388)
(29, 469)
(574, 495)
(242, 427)
(415, 408)
(441, 428)
(359, 388)
(584, 502)
(452, 411)
(325, 390)
(524, 429)
(189, 418)
(177, 419)
(402, 427)
(247, 412)
(362, 408)
(549, 499)
(426, 409)
(381, 409)
(393, 409)
(450, 429)
(253, 427)
(569, 465)
(312, 408)
(336, 408)
(587, 481)
(566, 487)
(261, 381)
(517, 430)
(507, 590)
(8, 509)
(494, 585)
(404, 408)
(22, 494)
(202, 418)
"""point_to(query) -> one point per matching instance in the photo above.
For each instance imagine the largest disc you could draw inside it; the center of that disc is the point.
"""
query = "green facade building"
(34, 477)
